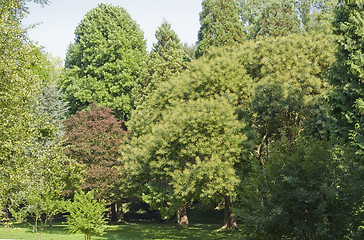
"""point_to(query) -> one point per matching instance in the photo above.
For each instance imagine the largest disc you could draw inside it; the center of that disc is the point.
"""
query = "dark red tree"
(93, 138)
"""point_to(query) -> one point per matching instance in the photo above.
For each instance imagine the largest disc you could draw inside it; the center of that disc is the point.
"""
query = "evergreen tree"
(105, 61)
(220, 25)
(277, 19)
(167, 59)
(300, 194)
(49, 103)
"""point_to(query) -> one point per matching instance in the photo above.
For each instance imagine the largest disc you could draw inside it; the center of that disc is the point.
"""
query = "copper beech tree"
(94, 138)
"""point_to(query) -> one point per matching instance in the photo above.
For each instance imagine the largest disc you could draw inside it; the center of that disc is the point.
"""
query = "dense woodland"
(262, 119)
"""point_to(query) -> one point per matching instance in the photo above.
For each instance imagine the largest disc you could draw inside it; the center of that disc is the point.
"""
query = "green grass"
(129, 231)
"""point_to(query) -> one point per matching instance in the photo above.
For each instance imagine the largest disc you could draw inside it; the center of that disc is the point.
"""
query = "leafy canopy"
(104, 62)
(94, 138)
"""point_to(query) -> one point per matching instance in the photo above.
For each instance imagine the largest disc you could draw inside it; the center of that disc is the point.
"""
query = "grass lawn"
(129, 231)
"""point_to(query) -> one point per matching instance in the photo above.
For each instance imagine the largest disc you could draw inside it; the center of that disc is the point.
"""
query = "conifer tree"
(167, 59)
(277, 19)
(220, 25)
(105, 61)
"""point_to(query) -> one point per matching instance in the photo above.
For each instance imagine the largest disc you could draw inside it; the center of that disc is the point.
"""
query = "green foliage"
(215, 75)
(34, 173)
(192, 99)
(277, 19)
(346, 98)
(270, 88)
(18, 84)
(192, 139)
(49, 104)
(347, 74)
(287, 83)
(167, 59)
(315, 16)
(86, 215)
(220, 25)
(105, 61)
(93, 138)
(38, 183)
(301, 193)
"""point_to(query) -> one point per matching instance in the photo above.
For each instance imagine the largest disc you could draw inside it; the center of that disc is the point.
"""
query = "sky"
(57, 21)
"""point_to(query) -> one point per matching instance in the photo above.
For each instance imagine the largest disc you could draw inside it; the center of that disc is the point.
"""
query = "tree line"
(262, 118)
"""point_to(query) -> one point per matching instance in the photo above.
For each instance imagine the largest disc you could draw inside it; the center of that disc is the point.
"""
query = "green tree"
(167, 59)
(105, 61)
(314, 15)
(29, 188)
(94, 138)
(347, 73)
(220, 25)
(49, 103)
(43, 175)
(215, 77)
(289, 83)
(347, 98)
(18, 84)
(86, 215)
(189, 155)
(277, 19)
(302, 193)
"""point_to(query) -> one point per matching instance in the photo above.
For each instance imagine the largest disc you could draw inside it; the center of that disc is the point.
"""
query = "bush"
(86, 215)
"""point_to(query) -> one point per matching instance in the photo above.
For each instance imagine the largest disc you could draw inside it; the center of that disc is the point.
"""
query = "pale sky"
(59, 19)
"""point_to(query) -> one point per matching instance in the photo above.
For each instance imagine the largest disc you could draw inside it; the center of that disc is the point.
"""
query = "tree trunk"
(119, 211)
(116, 211)
(229, 216)
(113, 211)
(182, 218)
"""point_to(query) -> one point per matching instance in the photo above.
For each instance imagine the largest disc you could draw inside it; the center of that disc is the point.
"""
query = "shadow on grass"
(167, 231)
(127, 231)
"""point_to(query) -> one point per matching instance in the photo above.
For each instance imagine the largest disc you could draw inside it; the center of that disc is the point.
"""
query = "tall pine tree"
(220, 25)
(167, 59)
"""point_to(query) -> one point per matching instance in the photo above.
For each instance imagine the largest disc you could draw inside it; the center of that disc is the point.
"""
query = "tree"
(220, 25)
(28, 149)
(315, 16)
(86, 215)
(189, 155)
(36, 193)
(94, 138)
(289, 82)
(105, 61)
(167, 59)
(346, 98)
(18, 84)
(210, 79)
(49, 103)
(277, 19)
(302, 193)
(347, 74)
